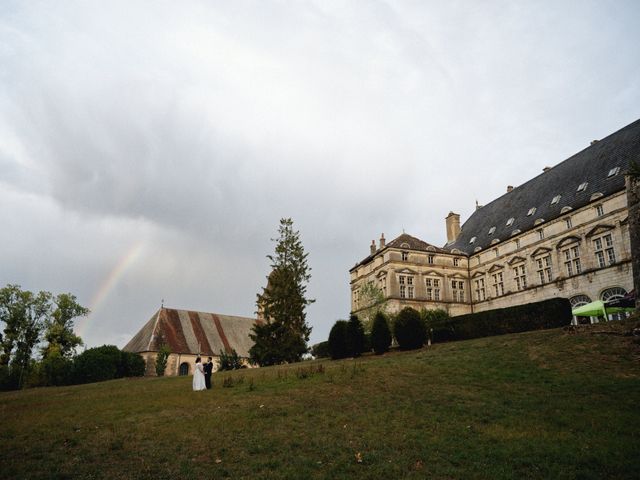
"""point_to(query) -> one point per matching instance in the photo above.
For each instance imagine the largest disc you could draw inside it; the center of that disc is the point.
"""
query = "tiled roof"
(192, 332)
(591, 166)
(404, 242)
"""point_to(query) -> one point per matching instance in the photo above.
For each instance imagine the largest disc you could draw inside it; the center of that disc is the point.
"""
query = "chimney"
(382, 241)
(478, 206)
(373, 247)
(453, 227)
(593, 142)
(546, 169)
(509, 188)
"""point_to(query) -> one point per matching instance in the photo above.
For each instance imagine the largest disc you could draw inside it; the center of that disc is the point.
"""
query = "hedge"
(552, 313)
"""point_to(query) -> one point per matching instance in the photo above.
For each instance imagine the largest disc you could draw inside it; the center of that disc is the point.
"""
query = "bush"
(132, 364)
(380, 334)
(552, 313)
(409, 329)
(230, 361)
(97, 364)
(321, 350)
(338, 347)
(355, 337)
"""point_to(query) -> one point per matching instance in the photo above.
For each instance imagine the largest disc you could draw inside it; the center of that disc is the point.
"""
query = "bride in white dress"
(198, 376)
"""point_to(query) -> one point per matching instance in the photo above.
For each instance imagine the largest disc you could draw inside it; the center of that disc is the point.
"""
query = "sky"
(148, 149)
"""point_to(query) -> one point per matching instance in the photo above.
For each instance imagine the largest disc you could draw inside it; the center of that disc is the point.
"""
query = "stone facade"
(564, 233)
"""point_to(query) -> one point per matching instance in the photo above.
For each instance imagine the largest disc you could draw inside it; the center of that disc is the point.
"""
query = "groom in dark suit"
(208, 370)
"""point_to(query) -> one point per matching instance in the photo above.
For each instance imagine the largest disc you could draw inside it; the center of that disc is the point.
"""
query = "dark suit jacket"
(208, 368)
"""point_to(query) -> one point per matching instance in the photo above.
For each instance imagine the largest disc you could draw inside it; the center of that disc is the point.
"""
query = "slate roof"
(404, 242)
(186, 331)
(591, 165)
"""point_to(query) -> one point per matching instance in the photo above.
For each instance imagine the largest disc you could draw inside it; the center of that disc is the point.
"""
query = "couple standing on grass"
(202, 375)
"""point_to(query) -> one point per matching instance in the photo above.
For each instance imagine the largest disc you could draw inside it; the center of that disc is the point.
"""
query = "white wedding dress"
(198, 378)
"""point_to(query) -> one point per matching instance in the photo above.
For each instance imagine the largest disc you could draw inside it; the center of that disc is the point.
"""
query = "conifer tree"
(284, 335)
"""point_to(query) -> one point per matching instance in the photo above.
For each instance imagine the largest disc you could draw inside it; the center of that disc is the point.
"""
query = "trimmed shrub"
(409, 329)
(355, 336)
(380, 334)
(321, 350)
(552, 313)
(338, 347)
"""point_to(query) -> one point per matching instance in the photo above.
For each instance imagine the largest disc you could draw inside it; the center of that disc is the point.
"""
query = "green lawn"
(535, 405)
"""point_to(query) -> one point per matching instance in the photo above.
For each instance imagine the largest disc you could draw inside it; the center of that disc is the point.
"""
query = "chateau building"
(189, 335)
(563, 233)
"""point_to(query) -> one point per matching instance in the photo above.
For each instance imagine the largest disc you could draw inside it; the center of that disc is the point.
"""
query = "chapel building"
(188, 335)
(563, 233)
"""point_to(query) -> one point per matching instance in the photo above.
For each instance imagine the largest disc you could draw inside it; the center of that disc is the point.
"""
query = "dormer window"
(531, 211)
(556, 199)
(492, 230)
(510, 221)
(473, 239)
(613, 171)
(582, 187)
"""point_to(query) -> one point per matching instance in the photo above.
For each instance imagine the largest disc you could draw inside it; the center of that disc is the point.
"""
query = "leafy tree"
(409, 329)
(230, 361)
(380, 334)
(373, 300)
(161, 359)
(355, 336)
(284, 334)
(59, 327)
(338, 346)
(23, 314)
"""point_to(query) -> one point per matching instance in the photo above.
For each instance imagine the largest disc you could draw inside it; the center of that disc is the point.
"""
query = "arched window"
(184, 369)
(579, 300)
(611, 294)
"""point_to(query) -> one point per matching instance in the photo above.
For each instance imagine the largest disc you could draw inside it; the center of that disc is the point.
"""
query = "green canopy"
(593, 309)
(597, 308)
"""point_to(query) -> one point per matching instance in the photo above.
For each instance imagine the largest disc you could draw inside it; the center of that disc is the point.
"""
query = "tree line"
(38, 345)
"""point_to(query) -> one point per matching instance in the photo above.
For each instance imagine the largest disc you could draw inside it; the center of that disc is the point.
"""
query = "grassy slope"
(535, 405)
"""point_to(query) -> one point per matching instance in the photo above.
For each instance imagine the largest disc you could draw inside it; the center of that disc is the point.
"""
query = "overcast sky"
(148, 149)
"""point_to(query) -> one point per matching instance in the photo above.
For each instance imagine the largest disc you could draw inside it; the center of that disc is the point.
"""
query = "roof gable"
(186, 331)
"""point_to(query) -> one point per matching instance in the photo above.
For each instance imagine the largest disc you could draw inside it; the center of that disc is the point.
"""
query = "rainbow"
(108, 284)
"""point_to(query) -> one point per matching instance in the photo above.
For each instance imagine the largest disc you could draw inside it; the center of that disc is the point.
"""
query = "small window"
(556, 199)
(405, 256)
(492, 230)
(583, 186)
(517, 243)
(599, 210)
(430, 259)
(568, 222)
(473, 239)
(613, 171)
(541, 234)
(456, 262)
(531, 211)
(510, 221)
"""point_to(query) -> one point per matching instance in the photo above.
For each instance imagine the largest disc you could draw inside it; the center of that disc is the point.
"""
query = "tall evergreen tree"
(281, 305)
